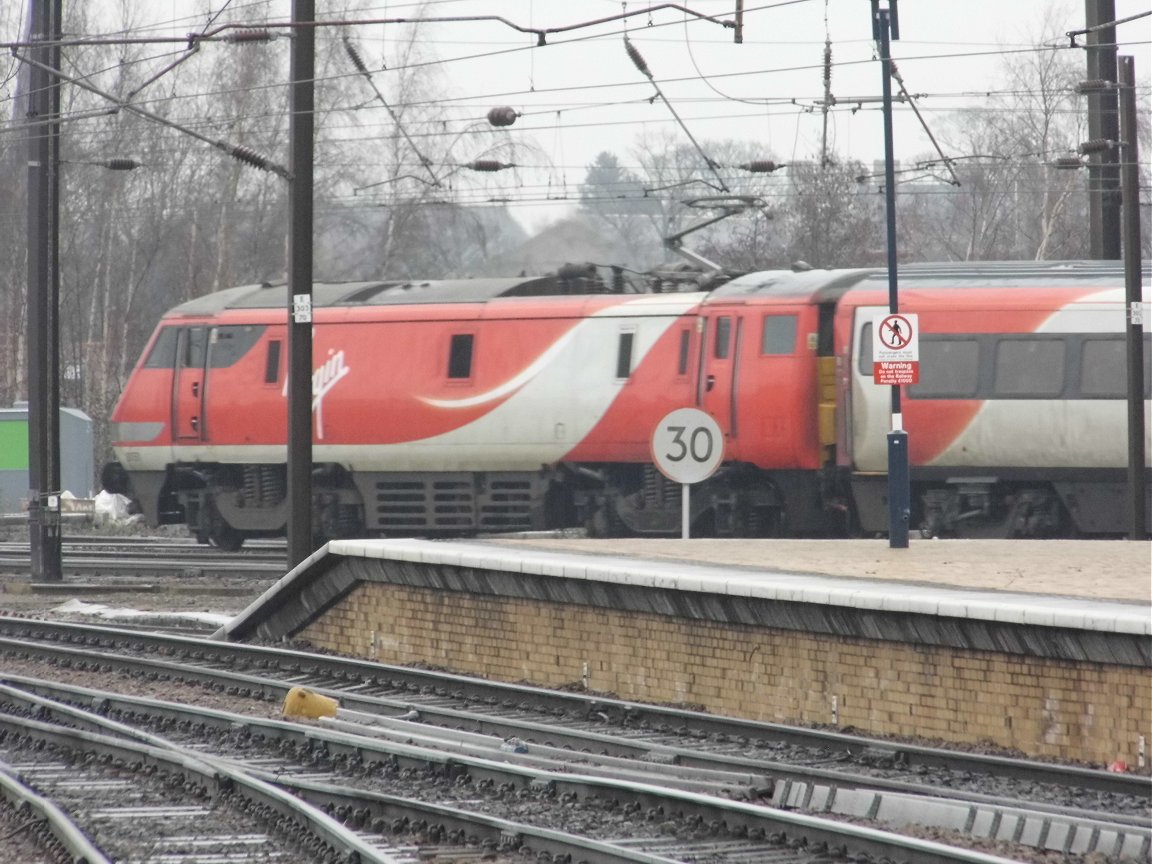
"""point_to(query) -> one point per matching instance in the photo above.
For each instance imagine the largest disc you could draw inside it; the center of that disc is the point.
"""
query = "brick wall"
(1081, 711)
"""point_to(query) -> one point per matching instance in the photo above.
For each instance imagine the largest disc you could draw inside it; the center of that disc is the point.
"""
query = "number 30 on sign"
(687, 446)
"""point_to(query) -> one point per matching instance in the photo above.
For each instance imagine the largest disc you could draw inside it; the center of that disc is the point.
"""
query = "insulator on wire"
(1095, 85)
(1067, 163)
(634, 56)
(354, 56)
(249, 34)
(502, 116)
(249, 156)
(760, 166)
(488, 165)
(1096, 145)
(121, 164)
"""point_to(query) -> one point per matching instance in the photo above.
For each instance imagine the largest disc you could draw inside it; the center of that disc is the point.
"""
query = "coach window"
(460, 355)
(864, 361)
(624, 355)
(1029, 367)
(779, 336)
(949, 368)
(723, 338)
(1102, 369)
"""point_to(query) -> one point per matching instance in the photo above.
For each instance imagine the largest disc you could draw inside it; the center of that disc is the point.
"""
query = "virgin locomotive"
(492, 405)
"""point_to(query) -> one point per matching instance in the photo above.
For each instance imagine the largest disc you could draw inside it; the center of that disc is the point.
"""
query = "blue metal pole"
(899, 492)
(301, 128)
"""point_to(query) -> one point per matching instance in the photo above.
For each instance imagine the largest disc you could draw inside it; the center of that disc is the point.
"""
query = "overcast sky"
(582, 94)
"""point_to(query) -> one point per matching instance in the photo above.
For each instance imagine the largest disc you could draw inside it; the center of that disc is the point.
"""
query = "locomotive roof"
(814, 286)
(386, 293)
(821, 286)
(991, 274)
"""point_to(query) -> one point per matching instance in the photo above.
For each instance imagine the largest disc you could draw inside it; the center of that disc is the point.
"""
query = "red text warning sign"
(896, 349)
(896, 372)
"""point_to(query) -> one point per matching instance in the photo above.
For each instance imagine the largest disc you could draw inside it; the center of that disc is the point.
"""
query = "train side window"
(195, 342)
(685, 345)
(779, 336)
(231, 342)
(460, 355)
(1102, 369)
(864, 361)
(163, 353)
(624, 355)
(949, 368)
(722, 340)
(1028, 367)
(272, 362)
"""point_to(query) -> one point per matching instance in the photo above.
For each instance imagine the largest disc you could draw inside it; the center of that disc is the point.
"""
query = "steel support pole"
(1134, 341)
(899, 486)
(300, 131)
(1103, 124)
(43, 296)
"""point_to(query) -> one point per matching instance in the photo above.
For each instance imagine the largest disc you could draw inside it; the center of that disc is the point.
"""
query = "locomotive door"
(188, 384)
(720, 368)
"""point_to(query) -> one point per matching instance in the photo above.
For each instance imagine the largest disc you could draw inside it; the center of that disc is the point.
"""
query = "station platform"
(1091, 569)
(1043, 647)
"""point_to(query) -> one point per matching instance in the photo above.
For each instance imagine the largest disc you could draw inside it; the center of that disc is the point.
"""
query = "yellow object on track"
(302, 702)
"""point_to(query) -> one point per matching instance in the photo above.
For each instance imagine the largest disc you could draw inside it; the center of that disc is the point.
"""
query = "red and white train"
(493, 405)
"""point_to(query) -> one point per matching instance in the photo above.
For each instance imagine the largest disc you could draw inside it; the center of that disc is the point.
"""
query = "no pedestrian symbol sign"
(896, 349)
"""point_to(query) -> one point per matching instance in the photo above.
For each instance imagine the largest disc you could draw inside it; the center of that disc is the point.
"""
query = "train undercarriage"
(223, 505)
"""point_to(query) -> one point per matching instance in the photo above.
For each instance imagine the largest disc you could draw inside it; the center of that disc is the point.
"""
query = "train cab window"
(272, 362)
(624, 355)
(685, 345)
(163, 353)
(949, 368)
(231, 342)
(779, 336)
(1028, 367)
(192, 351)
(721, 342)
(460, 355)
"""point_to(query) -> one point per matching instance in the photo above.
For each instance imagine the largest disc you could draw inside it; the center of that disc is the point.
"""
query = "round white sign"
(688, 445)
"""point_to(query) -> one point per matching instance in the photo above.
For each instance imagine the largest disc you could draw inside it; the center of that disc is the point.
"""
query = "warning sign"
(896, 349)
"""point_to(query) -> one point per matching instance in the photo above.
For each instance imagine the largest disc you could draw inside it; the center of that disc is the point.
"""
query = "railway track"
(151, 557)
(1038, 803)
(150, 801)
(356, 786)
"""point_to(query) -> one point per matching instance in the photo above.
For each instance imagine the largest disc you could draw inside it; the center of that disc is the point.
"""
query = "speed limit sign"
(688, 445)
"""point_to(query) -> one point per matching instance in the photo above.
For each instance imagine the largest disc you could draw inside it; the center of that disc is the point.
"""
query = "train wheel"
(114, 479)
(223, 536)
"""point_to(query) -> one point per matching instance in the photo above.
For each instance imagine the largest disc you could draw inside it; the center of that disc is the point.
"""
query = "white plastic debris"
(112, 507)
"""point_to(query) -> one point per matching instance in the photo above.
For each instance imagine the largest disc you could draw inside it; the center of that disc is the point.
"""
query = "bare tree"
(394, 167)
(1011, 202)
(832, 219)
(191, 220)
(673, 188)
